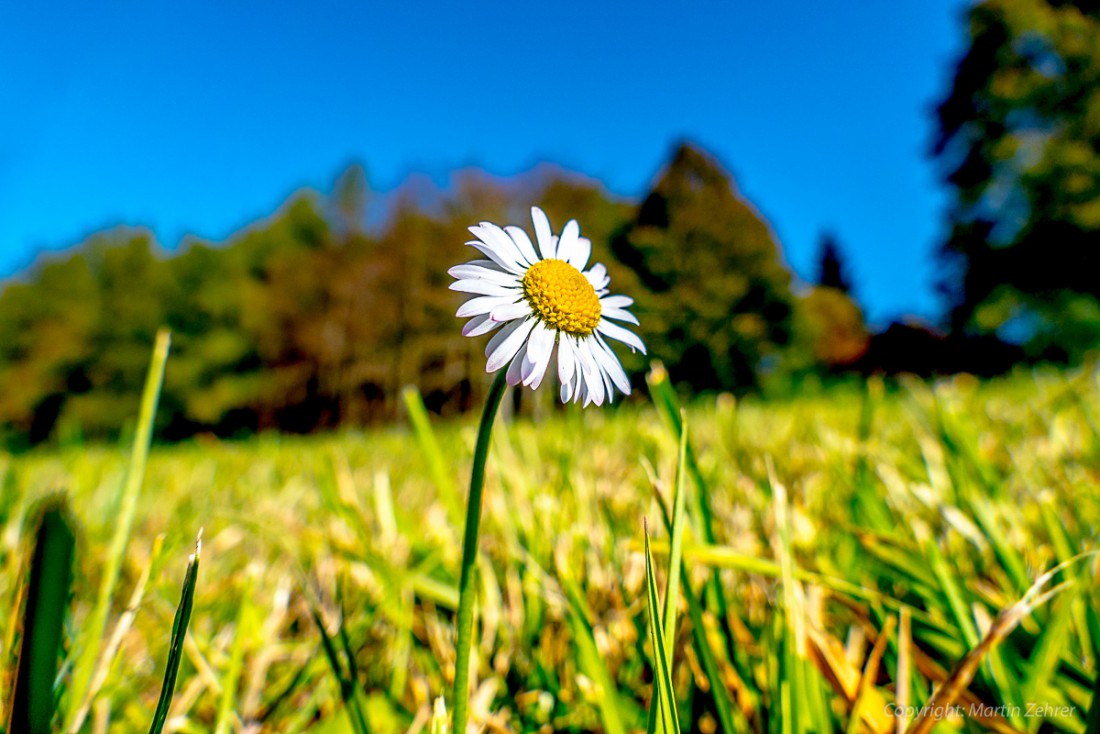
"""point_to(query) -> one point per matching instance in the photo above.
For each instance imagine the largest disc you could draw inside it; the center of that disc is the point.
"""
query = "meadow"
(852, 559)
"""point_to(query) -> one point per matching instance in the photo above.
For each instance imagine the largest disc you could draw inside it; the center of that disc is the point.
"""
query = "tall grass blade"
(676, 532)
(663, 698)
(664, 398)
(722, 704)
(231, 680)
(92, 636)
(349, 692)
(175, 645)
(47, 599)
(438, 465)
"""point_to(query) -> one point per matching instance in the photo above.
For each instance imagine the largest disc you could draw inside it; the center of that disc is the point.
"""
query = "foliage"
(832, 270)
(312, 319)
(866, 540)
(1019, 144)
(831, 325)
(712, 290)
(303, 321)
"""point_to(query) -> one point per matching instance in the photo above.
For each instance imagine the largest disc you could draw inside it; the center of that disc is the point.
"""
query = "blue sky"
(199, 117)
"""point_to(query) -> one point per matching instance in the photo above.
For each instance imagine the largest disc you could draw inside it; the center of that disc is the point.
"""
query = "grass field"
(842, 553)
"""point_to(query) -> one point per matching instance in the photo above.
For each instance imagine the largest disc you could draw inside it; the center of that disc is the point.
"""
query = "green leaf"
(175, 645)
(663, 698)
(44, 618)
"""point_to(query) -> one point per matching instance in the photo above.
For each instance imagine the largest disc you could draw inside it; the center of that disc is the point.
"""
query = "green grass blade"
(92, 637)
(589, 659)
(676, 532)
(664, 398)
(348, 688)
(664, 698)
(1092, 722)
(440, 723)
(1054, 638)
(438, 465)
(47, 602)
(722, 703)
(175, 646)
(231, 679)
(794, 709)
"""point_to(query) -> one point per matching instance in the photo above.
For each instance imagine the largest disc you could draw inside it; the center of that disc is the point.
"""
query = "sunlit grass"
(917, 512)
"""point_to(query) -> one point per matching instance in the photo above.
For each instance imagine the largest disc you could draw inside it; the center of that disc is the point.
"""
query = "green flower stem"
(467, 593)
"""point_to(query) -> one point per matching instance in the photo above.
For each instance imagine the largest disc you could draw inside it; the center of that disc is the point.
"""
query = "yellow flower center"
(562, 297)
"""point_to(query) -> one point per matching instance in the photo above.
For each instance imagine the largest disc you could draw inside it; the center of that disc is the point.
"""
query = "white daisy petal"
(523, 243)
(504, 242)
(619, 313)
(501, 259)
(592, 380)
(618, 333)
(509, 311)
(581, 253)
(605, 378)
(484, 287)
(539, 350)
(526, 369)
(474, 272)
(611, 366)
(566, 393)
(514, 376)
(566, 361)
(509, 346)
(616, 301)
(543, 234)
(482, 304)
(542, 341)
(540, 372)
(482, 262)
(497, 338)
(597, 276)
(609, 389)
(567, 243)
(479, 325)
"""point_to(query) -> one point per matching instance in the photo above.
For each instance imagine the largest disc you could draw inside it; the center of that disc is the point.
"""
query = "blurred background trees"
(711, 287)
(1019, 145)
(311, 319)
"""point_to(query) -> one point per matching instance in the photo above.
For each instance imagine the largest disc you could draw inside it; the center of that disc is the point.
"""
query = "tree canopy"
(712, 287)
(1019, 146)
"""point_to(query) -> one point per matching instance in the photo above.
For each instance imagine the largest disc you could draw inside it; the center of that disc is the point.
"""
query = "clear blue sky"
(199, 117)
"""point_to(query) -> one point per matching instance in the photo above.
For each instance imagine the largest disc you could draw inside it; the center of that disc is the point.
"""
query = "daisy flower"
(545, 302)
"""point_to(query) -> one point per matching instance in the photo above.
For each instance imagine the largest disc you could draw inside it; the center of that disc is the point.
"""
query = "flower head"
(545, 302)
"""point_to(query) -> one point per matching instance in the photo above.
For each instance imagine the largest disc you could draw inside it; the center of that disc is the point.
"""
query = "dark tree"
(1019, 146)
(832, 271)
(714, 294)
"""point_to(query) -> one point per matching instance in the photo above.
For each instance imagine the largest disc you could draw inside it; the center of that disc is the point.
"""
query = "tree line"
(311, 318)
